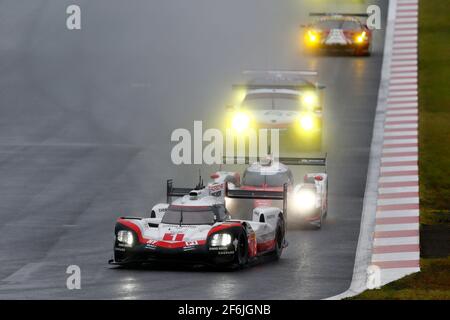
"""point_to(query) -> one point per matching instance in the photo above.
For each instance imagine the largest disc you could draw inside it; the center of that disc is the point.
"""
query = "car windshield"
(256, 179)
(277, 180)
(188, 216)
(338, 24)
(273, 101)
(351, 25)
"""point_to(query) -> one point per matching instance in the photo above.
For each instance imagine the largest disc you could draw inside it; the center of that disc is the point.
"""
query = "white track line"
(399, 169)
(396, 150)
(396, 227)
(385, 202)
(412, 87)
(401, 141)
(387, 160)
(402, 126)
(401, 118)
(397, 112)
(396, 256)
(397, 190)
(399, 179)
(396, 241)
(398, 213)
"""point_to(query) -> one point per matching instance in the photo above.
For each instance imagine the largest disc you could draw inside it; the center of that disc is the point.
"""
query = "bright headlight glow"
(309, 100)
(312, 36)
(221, 240)
(240, 122)
(361, 38)
(305, 199)
(125, 237)
(306, 122)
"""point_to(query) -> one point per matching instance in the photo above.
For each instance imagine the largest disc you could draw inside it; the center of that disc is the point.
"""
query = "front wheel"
(241, 251)
(279, 240)
(318, 224)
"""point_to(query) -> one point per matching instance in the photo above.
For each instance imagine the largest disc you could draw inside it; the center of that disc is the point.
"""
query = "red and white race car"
(308, 200)
(338, 31)
(197, 228)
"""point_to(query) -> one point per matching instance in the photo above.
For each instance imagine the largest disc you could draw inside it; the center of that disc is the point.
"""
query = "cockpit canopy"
(257, 179)
(194, 215)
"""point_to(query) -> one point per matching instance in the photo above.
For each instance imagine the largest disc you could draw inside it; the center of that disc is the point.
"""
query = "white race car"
(279, 100)
(308, 200)
(197, 228)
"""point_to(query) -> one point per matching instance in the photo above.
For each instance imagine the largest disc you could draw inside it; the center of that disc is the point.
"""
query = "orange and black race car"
(338, 31)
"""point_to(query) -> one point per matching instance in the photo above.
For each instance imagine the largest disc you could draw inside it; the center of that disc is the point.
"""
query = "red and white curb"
(389, 233)
(396, 248)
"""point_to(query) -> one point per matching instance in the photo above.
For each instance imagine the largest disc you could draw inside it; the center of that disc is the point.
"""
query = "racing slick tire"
(241, 253)
(279, 240)
(319, 224)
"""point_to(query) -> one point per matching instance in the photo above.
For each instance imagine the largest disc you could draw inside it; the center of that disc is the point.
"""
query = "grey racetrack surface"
(85, 124)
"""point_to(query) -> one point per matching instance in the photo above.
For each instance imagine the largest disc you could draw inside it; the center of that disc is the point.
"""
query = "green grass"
(434, 104)
(433, 282)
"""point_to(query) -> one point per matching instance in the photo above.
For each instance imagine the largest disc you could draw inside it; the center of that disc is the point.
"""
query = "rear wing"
(259, 194)
(171, 191)
(319, 162)
(274, 79)
(297, 87)
(328, 14)
(289, 161)
(279, 73)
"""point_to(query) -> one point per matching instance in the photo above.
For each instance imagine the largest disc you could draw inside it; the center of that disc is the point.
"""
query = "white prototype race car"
(308, 200)
(197, 228)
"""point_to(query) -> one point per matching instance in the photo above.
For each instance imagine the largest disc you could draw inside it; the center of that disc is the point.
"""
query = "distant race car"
(283, 100)
(197, 228)
(308, 200)
(338, 31)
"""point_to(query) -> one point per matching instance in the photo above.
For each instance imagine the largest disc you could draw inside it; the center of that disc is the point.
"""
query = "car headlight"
(221, 240)
(312, 36)
(305, 200)
(125, 237)
(240, 122)
(309, 100)
(361, 38)
(306, 122)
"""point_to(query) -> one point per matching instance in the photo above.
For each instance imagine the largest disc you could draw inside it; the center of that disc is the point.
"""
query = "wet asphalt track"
(85, 123)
